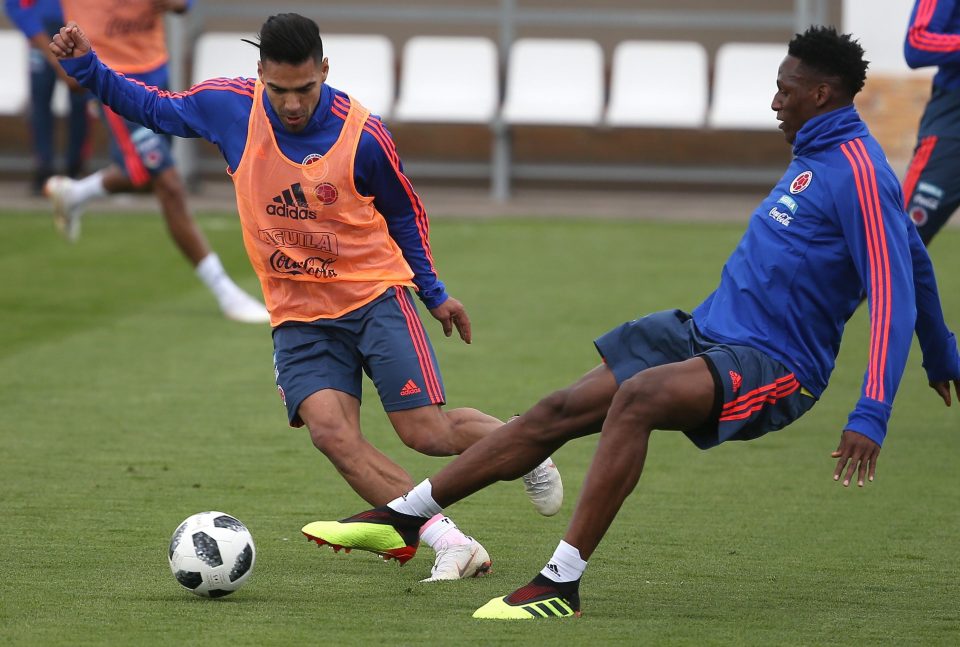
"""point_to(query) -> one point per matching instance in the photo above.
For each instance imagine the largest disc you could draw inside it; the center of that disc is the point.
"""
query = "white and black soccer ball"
(212, 554)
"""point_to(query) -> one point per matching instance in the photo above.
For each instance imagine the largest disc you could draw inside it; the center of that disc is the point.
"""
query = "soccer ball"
(212, 554)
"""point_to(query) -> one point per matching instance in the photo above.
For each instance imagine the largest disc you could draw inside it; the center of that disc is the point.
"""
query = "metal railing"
(507, 18)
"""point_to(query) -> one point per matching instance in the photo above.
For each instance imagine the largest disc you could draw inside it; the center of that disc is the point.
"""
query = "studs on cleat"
(402, 555)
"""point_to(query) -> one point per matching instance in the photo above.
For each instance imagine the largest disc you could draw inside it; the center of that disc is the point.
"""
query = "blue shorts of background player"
(755, 394)
(384, 339)
(140, 152)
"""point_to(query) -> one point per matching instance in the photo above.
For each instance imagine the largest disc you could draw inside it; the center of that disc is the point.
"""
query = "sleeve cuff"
(870, 418)
(433, 295)
(942, 365)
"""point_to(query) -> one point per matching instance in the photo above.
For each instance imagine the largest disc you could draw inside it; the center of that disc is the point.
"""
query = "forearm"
(156, 109)
(929, 39)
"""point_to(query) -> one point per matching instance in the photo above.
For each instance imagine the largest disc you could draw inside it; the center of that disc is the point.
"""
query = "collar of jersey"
(829, 130)
(317, 119)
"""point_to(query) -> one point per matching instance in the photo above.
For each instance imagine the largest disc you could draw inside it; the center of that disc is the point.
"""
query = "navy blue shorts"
(140, 152)
(755, 394)
(933, 184)
(384, 339)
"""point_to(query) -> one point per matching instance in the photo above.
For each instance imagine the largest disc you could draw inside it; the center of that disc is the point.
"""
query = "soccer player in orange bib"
(129, 36)
(338, 237)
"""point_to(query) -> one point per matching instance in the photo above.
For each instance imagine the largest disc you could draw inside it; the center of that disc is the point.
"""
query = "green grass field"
(128, 404)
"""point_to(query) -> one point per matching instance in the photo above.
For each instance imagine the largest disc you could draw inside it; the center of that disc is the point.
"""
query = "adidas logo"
(291, 203)
(553, 568)
(552, 608)
(410, 388)
(736, 380)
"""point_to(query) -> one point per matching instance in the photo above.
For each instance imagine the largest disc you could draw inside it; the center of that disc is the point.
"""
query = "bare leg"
(673, 396)
(432, 431)
(115, 181)
(521, 444)
(333, 418)
(171, 194)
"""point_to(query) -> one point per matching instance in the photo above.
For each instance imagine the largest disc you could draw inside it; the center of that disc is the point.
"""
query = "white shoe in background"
(544, 487)
(240, 306)
(460, 562)
(66, 211)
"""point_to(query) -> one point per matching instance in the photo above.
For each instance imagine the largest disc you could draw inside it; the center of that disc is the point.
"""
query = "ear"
(260, 70)
(823, 94)
(324, 69)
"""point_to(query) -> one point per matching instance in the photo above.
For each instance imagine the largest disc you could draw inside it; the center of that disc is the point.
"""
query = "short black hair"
(289, 38)
(830, 53)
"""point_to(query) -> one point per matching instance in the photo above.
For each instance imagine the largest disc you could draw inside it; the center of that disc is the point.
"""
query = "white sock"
(440, 533)
(418, 502)
(565, 565)
(88, 188)
(210, 271)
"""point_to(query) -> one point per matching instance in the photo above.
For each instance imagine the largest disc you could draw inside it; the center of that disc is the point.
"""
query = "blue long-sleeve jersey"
(832, 229)
(933, 38)
(31, 16)
(218, 110)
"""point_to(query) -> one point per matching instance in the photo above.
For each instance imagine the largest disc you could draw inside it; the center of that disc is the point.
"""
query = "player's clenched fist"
(69, 42)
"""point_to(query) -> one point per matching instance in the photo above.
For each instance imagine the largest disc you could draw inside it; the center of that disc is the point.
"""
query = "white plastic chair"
(14, 77)
(658, 84)
(554, 81)
(448, 80)
(360, 65)
(222, 54)
(745, 80)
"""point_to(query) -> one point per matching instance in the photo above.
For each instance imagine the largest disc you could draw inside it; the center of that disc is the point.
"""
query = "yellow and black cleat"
(382, 531)
(541, 598)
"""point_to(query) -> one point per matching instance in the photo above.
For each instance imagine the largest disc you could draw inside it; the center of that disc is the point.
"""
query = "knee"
(551, 408)
(550, 416)
(332, 440)
(168, 184)
(637, 399)
(429, 440)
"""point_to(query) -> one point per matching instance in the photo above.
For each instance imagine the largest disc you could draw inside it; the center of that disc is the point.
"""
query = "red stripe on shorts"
(136, 171)
(418, 336)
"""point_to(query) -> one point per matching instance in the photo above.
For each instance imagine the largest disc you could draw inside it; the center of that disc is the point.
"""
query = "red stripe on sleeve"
(881, 233)
(869, 199)
(375, 128)
(871, 254)
(920, 38)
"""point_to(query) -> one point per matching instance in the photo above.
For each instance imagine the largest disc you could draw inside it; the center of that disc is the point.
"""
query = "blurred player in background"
(38, 19)
(932, 185)
(338, 236)
(130, 36)
(750, 359)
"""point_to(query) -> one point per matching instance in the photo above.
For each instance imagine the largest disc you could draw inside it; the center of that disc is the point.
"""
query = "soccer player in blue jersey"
(337, 236)
(37, 19)
(130, 36)
(750, 359)
(932, 184)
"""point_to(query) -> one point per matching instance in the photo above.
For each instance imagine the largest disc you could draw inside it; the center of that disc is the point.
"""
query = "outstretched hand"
(855, 452)
(451, 313)
(69, 42)
(943, 390)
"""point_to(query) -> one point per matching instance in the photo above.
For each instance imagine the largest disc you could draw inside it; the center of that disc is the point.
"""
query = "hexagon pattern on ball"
(212, 554)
